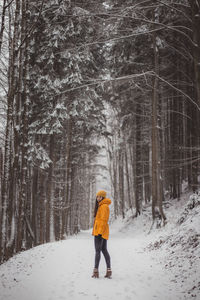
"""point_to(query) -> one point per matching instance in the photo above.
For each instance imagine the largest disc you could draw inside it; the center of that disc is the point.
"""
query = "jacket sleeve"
(103, 219)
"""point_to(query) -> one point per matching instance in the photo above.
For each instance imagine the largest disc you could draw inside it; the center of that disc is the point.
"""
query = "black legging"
(101, 245)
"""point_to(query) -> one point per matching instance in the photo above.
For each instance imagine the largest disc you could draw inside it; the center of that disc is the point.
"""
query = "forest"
(81, 77)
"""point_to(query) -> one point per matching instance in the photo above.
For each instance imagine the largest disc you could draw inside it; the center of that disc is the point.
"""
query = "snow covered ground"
(163, 264)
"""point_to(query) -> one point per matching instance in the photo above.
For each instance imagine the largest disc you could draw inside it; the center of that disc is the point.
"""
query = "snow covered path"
(62, 270)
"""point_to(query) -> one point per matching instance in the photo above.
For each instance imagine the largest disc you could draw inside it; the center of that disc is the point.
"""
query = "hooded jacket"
(101, 220)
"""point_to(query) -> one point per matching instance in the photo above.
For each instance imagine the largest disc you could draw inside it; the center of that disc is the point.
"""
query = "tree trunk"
(65, 210)
(157, 193)
(138, 161)
(195, 9)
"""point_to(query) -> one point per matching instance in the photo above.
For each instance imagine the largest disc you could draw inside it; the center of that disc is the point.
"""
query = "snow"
(160, 265)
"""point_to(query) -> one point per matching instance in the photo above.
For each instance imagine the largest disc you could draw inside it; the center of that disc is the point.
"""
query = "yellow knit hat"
(101, 194)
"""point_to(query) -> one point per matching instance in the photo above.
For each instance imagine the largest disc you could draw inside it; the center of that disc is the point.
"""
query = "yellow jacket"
(101, 220)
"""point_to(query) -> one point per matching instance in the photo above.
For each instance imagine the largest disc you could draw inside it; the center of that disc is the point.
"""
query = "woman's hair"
(96, 207)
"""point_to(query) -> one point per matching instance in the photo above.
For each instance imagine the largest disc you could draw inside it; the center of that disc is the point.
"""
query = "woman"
(101, 232)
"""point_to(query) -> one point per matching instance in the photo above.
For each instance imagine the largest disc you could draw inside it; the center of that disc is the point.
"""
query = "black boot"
(95, 273)
(108, 273)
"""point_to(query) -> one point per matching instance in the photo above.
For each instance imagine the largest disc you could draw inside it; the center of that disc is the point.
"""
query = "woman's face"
(99, 198)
